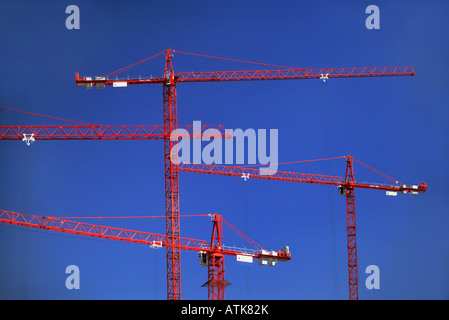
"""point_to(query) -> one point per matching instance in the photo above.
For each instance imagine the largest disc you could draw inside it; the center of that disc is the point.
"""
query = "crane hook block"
(28, 138)
(324, 76)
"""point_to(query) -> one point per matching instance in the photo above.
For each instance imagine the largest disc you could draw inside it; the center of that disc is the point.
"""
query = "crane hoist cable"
(155, 270)
(25, 233)
(246, 224)
(330, 194)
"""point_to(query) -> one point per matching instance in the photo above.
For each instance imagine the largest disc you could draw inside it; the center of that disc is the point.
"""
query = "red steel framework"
(98, 132)
(169, 81)
(351, 230)
(171, 184)
(216, 282)
(346, 186)
(213, 253)
(265, 174)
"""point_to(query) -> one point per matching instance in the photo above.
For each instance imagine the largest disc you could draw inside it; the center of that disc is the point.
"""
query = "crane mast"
(171, 183)
(351, 231)
(216, 282)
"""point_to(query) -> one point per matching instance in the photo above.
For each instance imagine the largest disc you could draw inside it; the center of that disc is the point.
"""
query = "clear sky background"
(398, 125)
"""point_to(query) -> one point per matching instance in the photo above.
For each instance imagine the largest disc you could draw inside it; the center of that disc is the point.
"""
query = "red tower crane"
(346, 186)
(210, 255)
(169, 82)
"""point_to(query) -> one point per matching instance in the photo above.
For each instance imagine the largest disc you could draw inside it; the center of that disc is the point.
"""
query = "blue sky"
(398, 125)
